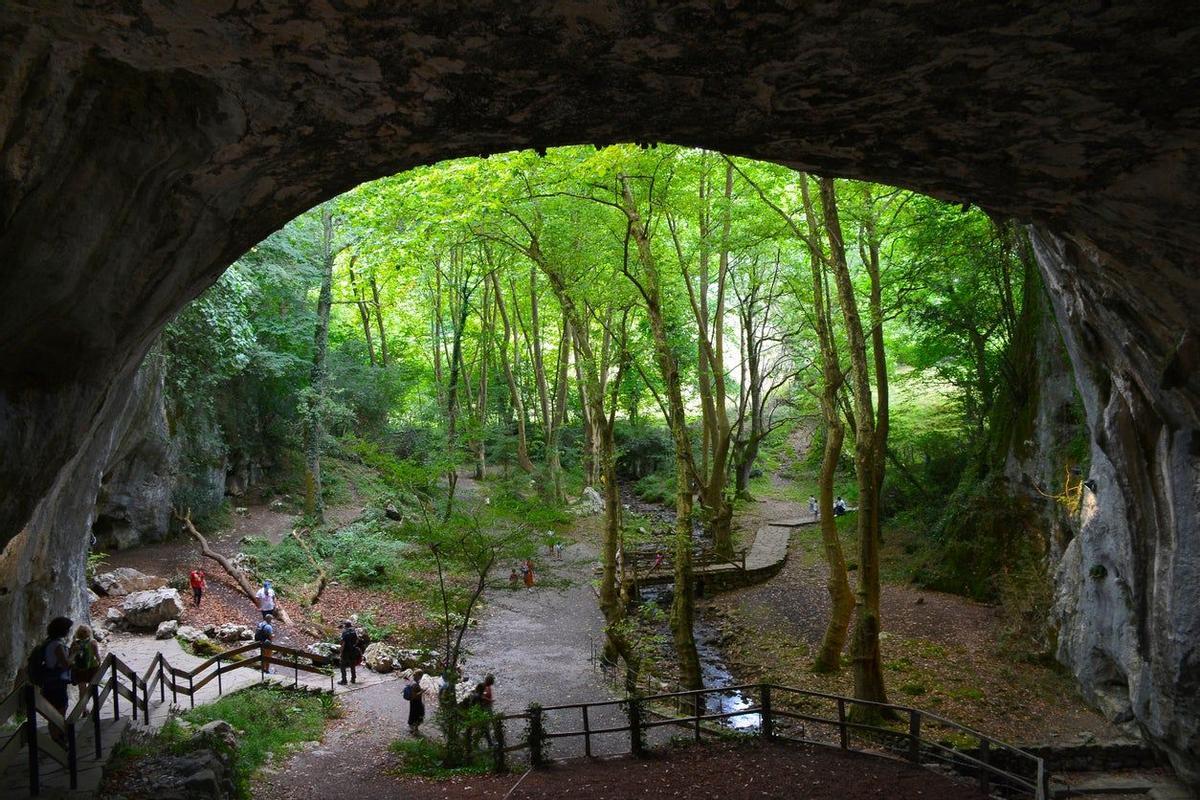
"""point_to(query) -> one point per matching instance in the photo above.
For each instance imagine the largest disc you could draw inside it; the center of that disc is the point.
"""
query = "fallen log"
(238, 577)
(322, 577)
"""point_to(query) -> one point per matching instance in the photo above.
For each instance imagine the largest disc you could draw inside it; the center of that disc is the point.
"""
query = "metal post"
(768, 722)
(31, 732)
(72, 759)
(587, 733)
(698, 709)
(96, 719)
(842, 724)
(1043, 790)
(914, 735)
(985, 775)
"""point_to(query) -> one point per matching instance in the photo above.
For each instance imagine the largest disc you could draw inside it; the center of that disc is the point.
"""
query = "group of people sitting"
(839, 506)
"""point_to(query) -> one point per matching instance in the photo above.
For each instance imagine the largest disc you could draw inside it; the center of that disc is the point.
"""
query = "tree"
(314, 503)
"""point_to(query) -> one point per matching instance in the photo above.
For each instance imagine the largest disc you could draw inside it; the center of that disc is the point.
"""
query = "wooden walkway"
(185, 681)
(766, 555)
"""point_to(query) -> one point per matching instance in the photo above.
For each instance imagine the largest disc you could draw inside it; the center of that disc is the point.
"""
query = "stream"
(713, 670)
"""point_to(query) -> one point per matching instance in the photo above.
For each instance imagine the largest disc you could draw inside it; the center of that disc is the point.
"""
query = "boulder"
(125, 580)
(231, 632)
(324, 649)
(189, 633)
(167, 629)
(218, 731)
(380, 657)
(393, 513)
(92, 597)
(148, 609)
(114, 618)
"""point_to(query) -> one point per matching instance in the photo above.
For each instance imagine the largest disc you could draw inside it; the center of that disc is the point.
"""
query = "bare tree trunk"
(314, 504)
(463, 289)
(682, 605)
(514, 392)
(829, 656)
(322, 576)
(868, 664)
(363, 314)
(383, 347)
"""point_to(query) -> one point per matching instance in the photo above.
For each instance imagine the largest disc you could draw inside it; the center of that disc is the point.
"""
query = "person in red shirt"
(196, 579)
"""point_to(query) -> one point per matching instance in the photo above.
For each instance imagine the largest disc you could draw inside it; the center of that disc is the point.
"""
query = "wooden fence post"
(842, 724)
(96, 719)
(587, 733)
(162, 686)
(636, 745)
(537, 757)
(985, 775)
(220, 685)
(192, 690)
(698, 709)
(31, 733)
(768, 722)
(498, 744)
(914, 735)
(72, 756)
(116, 694)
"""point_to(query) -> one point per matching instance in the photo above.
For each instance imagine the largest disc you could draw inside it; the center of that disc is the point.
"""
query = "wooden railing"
(785, 713)
(48, 734)
(646, 562)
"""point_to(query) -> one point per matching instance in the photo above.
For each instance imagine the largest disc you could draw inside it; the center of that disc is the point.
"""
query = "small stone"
(167, 629)
(203, 783)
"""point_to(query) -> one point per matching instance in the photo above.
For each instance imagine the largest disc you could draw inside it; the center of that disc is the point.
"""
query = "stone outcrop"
(149, 609)
(380, 657)
(146, 146)
(125, 580)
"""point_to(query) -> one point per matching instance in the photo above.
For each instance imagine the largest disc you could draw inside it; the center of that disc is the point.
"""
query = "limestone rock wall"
(1128, 584)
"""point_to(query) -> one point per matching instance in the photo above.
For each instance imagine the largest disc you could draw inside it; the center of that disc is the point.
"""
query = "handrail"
(116, 679)
(908, 742)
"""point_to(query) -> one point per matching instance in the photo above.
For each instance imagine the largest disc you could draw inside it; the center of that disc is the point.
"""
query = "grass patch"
(270, 721)
(423, 757)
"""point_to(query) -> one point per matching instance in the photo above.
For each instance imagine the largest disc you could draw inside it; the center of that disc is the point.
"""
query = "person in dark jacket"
(351, 655)
(416, 703)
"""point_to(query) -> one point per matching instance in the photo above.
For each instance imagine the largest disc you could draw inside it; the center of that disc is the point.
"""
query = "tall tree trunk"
(868, 664)
(363, 313)
(314, 504)
(462, 288)
(383, 347)
(617, 641)
(514, 392)
(487, 332)
(829, 656)
(682, 605)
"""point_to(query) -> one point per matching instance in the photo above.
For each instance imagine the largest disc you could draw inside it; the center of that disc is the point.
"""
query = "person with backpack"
(49, 667)
(482, 697)
(415, 695)
(196, 579)
(85, 658)
(351, 654)
(527, 573)
(264, 634)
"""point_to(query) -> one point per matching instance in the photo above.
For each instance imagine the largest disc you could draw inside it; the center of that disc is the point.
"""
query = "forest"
(655, 322)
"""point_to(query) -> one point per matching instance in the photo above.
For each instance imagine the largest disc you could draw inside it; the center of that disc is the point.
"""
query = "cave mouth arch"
(145, 148)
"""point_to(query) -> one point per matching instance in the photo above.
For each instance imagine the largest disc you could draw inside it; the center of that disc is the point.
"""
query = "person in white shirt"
(265, 598)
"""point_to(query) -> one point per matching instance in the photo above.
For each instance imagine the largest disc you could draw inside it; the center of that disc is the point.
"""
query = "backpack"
(36, 667)
(85, 658)
(261, 633)
(407, 693)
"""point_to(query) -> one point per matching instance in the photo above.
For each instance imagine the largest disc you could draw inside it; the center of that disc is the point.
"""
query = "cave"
(147, 145)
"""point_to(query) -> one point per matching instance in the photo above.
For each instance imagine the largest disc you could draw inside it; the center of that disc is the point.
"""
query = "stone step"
(1098, 785)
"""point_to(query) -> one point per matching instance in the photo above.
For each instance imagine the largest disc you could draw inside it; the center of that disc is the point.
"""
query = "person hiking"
(839, 506)
(196, 581)
(351, 655)
(514, 580)
(85, 658)
(812, 505)
(49, 669)
(527, 573)
(415, 695)
(264, 634)
(265, 599)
